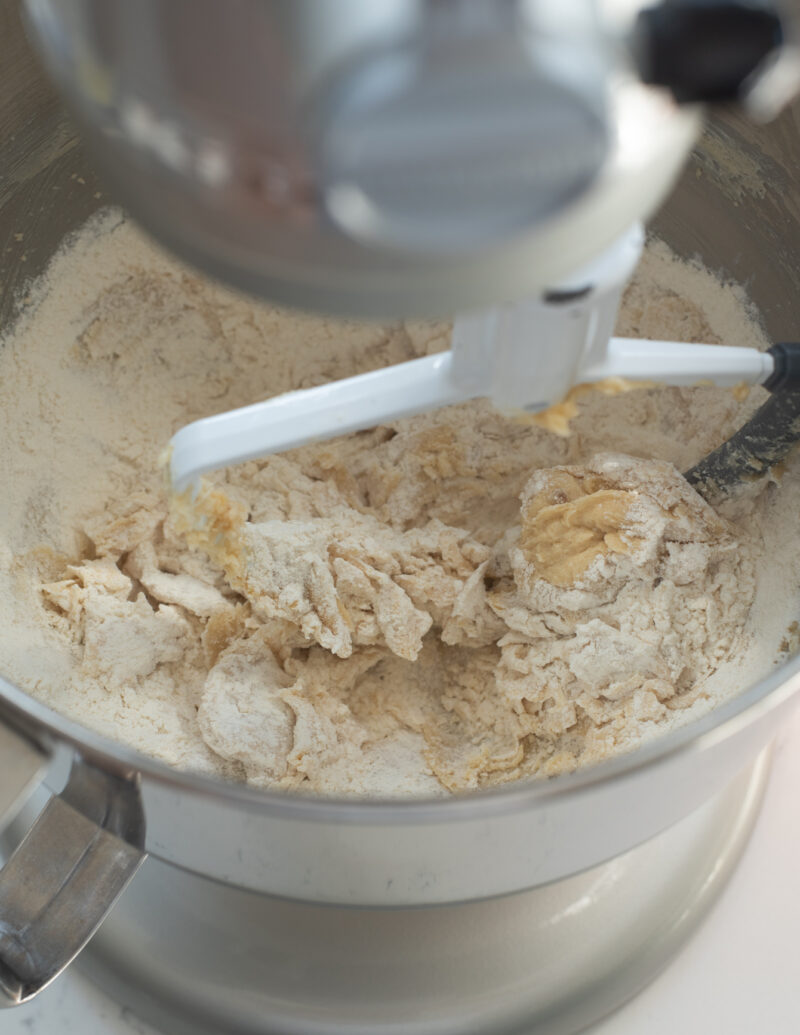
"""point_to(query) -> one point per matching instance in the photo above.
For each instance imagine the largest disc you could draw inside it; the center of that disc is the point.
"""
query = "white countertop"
(739, 974)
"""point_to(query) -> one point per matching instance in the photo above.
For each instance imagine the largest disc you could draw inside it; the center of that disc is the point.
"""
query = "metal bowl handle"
(69, 870)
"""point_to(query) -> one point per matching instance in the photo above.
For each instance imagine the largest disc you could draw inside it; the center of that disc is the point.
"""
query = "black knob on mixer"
(705, 50)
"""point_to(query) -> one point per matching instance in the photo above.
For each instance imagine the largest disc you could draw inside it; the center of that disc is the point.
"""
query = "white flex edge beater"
(524, 356)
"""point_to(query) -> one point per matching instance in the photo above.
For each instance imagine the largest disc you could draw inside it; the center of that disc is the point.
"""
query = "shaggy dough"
(618, 591)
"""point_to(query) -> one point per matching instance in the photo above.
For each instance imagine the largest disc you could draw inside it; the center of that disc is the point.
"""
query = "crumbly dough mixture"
(442, 603)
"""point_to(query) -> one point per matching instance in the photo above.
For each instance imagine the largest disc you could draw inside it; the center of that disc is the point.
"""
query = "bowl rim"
(719, 724)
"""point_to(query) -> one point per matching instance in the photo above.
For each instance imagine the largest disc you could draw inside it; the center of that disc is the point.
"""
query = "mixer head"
(411, 156)
(395, 157)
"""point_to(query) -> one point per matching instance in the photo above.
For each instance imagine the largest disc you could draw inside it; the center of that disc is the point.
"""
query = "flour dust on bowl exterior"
(535, 906)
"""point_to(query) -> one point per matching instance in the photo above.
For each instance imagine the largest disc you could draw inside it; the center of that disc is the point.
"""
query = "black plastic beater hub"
(705, 50)
(764, 440)
(786, 375)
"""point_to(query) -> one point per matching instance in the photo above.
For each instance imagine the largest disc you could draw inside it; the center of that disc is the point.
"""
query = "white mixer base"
(197, 957)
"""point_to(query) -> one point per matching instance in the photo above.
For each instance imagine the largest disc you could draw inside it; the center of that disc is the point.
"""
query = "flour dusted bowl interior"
(488, 842)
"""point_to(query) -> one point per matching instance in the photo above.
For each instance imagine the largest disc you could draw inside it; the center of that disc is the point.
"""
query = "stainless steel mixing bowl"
(231, 867)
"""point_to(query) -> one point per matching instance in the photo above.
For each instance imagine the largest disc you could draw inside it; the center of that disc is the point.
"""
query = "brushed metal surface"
(66, 873)
(22, 764)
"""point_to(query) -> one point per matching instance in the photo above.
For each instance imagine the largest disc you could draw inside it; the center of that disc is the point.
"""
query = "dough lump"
(606, 606)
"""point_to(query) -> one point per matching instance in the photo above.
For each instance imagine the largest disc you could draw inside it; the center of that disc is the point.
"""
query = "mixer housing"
(379, 159)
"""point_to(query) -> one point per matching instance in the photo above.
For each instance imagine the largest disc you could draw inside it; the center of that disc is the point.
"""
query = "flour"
(446, 602)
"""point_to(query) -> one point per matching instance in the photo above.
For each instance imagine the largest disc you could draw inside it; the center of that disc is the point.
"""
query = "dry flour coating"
(445, 602)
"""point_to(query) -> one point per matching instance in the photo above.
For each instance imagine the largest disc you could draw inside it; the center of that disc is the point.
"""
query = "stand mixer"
(389, 159)
(408, 157)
